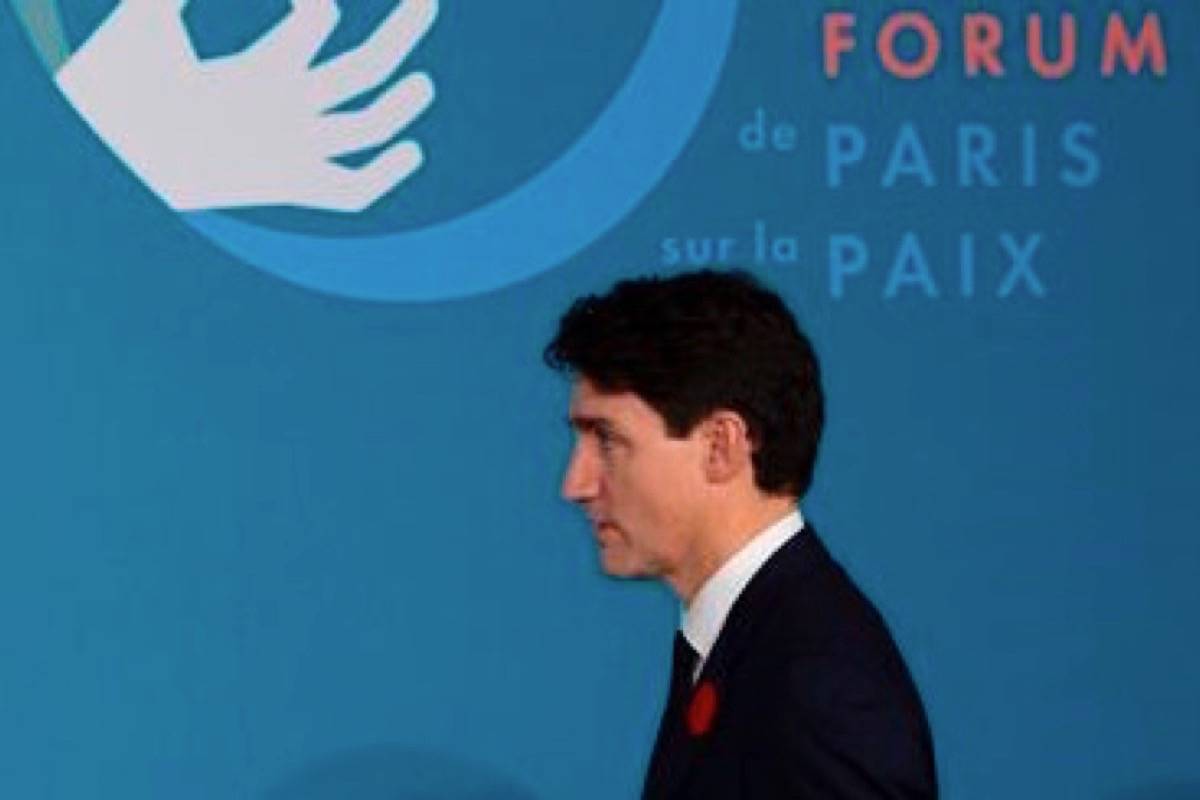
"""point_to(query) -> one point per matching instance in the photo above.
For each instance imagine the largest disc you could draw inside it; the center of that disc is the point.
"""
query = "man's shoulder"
(819, 632)
(816, 602)
(818, 693)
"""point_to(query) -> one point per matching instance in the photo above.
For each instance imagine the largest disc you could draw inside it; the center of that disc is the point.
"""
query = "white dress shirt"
(702, 620)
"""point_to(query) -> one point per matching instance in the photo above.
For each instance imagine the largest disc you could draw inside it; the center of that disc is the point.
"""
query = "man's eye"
(605, 440)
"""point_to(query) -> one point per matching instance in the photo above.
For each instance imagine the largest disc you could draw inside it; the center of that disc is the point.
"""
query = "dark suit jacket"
(812, 698)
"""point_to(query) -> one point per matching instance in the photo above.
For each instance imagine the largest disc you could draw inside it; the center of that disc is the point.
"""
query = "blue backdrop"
(263, 542)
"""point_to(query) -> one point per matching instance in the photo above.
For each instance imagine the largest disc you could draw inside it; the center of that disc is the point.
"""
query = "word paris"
(981, 155)
(909, 45)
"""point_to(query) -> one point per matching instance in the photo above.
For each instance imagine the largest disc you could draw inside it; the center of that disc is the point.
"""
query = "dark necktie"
(670, 729)
(683, 664)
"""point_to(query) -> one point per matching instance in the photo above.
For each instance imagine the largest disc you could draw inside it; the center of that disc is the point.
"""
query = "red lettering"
(1036, 48)
(982, 37)
(1149, 43)
(837, 29)
(930, 45)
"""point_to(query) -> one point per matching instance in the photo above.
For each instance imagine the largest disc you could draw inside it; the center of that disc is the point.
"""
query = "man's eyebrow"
(586, 423)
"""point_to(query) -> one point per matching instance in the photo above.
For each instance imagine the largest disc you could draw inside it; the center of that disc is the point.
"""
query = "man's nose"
(582, 479)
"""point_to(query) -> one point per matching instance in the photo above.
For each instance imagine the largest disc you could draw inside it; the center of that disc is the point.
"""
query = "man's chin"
(619, 565)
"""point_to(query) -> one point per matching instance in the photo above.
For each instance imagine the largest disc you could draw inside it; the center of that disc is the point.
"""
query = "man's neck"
(723, 538)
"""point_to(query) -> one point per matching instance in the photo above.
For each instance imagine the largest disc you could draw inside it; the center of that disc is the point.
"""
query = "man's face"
(638, 486)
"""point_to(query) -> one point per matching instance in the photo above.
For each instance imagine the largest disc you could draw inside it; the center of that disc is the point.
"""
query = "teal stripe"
(44, 26)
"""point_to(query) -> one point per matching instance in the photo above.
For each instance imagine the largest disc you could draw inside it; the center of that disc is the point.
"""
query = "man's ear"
(728, 447)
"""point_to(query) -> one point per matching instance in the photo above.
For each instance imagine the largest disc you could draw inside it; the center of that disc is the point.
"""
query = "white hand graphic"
(257, 127)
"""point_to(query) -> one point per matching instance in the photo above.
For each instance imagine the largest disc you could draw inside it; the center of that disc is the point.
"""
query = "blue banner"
(280, 462)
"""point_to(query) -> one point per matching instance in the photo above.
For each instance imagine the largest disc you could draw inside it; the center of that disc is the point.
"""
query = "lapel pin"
(702, 709)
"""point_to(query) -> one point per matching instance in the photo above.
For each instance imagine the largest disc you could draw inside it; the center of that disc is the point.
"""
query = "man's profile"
(697, 409)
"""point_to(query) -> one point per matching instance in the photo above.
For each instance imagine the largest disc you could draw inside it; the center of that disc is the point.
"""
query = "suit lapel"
(755, 605)
(673, 750)
(680, 750)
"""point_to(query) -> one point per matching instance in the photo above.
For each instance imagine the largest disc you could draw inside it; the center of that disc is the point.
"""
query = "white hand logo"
(257, 127)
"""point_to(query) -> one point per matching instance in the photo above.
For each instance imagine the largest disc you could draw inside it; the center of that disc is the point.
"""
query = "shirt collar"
(702, 620)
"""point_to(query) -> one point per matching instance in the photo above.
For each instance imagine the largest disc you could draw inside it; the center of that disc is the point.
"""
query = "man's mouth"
(601, 527)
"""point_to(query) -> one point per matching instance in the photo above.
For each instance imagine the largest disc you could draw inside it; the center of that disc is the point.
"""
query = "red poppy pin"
(702, 710)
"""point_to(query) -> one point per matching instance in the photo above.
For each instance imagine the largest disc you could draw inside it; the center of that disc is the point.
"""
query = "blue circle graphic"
(560, 211)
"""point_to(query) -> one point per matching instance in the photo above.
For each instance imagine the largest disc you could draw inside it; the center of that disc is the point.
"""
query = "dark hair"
(694, 343)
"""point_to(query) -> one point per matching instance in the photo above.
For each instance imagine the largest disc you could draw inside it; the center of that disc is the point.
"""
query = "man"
(697, 409)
